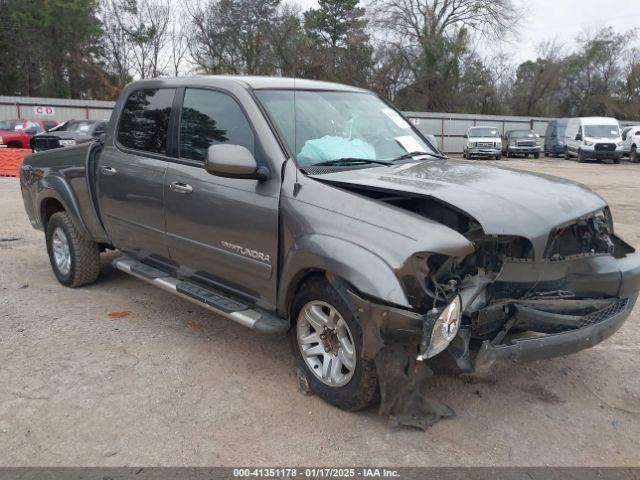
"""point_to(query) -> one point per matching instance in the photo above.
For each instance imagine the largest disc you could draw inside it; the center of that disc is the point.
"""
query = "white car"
(482, 142)
(596, 138)
(631, 142)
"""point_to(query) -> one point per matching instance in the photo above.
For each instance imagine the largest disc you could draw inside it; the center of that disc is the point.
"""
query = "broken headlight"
(440, 328)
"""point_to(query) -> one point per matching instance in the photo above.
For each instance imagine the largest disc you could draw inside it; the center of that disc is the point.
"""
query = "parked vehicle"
(631, 142)
(554, 142)
(593, 138)
(521, 142)
(317, 209)
(17, 133)
(482, 142)
(69, 133)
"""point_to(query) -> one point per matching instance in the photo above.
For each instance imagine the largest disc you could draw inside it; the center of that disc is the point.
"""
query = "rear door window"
(210, 117)
(144, 123)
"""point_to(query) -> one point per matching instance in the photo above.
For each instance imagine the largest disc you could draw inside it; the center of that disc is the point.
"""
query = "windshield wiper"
(410, 155)
(350, 161)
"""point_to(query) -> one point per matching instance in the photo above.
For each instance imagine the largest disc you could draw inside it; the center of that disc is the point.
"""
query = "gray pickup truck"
(316, 209)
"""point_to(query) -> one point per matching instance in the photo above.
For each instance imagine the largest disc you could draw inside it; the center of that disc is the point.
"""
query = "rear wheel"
(75, 260)
(633, 155)
(327, 342)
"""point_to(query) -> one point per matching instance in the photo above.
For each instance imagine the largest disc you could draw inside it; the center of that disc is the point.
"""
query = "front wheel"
(498, 157)
(327, 342)
(536, 155)
(75, 260)
(567, 155)
(633, 155)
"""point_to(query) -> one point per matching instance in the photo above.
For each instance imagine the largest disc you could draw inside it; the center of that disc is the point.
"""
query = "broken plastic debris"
(403, 385)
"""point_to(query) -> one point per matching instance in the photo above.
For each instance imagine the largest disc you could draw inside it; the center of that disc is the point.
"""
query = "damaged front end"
(508, 305)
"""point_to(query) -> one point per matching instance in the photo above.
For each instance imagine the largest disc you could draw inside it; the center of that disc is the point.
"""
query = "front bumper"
(541, 346)
(523, 150)
(600, 278)
(601, 155)
(484, 152)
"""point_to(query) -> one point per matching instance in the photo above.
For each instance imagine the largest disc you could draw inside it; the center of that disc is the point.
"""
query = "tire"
(361, 388)
(546, 154)
(633, 155)
(83, 265)
(509, 155)
(580, 157)
(464, 154)
(536, 155)
(616, 160)
(567, 155)
(498, 157)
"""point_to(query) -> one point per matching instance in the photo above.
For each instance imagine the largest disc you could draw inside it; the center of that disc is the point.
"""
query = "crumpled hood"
(503, 201)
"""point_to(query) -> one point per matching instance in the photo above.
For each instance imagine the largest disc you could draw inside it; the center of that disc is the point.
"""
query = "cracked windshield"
(329, 126)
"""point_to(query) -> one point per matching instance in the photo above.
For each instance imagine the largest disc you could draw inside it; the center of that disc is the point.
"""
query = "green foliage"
(54, 44)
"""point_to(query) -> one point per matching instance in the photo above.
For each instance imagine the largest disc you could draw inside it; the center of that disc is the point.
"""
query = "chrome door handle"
(108, 171)
(180, 187)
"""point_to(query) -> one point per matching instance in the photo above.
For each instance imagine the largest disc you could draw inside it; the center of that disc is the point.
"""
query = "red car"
(17, 133)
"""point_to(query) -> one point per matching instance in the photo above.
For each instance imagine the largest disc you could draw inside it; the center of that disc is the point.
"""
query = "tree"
(232, 36)
(340, 45)
(434, 36)
(59, 47)
(146, 26)
(592, 74)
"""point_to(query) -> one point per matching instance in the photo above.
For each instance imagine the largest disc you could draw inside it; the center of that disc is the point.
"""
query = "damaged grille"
(587, 236)
(45, 143)
(604, 314)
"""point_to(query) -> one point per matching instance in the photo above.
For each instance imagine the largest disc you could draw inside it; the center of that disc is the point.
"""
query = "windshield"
(522, 133)
(322, 126)
(11, 125)
(483, 132)
(602, 131)
(75, 126)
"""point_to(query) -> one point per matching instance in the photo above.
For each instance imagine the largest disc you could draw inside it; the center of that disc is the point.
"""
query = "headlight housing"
(441, 328)
(588, 143)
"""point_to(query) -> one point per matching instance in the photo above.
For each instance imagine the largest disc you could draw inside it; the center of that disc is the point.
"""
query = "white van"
(593, 138)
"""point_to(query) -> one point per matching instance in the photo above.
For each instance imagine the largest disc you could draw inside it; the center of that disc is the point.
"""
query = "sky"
(559, 19)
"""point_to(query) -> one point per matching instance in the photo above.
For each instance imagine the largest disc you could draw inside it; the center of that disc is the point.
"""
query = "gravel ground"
(120, 373)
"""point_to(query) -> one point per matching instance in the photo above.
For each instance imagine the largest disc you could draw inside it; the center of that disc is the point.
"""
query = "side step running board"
(217, 302)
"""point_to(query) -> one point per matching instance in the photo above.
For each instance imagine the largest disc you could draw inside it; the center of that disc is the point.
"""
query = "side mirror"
(578, 137)
(465, 136)
(233, 161)
(31, 130)
(624, 136)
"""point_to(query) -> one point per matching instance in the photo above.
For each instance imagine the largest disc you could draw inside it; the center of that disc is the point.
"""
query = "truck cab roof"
(248, 82)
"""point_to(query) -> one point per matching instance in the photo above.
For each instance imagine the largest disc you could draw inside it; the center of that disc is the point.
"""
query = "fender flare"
(53, 186)
(362, 268)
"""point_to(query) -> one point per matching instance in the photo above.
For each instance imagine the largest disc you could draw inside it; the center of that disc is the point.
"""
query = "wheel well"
(296, 283)
(48, 207)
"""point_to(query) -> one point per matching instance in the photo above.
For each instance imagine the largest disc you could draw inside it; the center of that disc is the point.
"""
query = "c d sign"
(42, 111)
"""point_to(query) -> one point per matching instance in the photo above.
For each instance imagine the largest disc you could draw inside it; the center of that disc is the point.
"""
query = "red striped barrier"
(11, 161)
